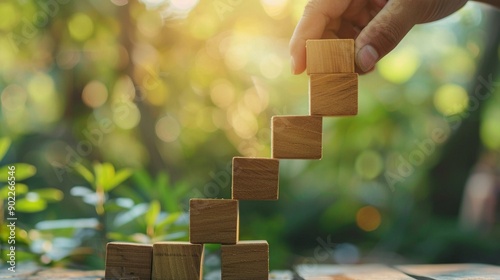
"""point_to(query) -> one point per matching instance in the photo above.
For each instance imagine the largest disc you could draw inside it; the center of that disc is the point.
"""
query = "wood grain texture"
(297, 137)
(213, 221)
(328, 56)
(128, 261)
(245, 260)
(333, 94)
(177, 260)
(255, 178)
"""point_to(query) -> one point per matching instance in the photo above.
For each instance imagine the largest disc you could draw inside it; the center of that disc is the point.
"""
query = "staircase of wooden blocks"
(333, 91)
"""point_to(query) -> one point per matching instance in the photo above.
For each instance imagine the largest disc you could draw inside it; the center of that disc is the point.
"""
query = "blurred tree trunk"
(460, 154)
(147, 122)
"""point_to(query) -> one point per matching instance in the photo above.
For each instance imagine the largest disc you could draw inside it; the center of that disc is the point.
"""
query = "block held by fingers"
(329, 56)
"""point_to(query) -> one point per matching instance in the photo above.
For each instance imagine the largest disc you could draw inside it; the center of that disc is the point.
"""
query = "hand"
(376, 25)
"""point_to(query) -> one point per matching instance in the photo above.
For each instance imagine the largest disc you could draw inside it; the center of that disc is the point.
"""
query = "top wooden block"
(330, 56)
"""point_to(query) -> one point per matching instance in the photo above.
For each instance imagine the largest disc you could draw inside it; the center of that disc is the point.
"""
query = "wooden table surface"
(307, 272)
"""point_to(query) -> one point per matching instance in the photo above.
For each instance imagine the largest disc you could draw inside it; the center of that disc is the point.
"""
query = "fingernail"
(292, 64)
(367, 57)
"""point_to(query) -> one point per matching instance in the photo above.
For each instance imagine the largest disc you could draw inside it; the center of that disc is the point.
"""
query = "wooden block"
(255, 178)
(213, 221)
(128, 261)
(297, 137)
(333, 94)
(245, 260)
(330, 56)
(177, 260)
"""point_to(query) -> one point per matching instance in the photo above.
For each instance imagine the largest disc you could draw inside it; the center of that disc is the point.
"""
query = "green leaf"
(142, 180)
(4, 146)
(119, 178)
(85, 173)
(23, 171)
(153, 212)
(165, 193)
(20, 189)
(119, 236)
(50, 194)
(30, 204)
(170, 219)
(105, 176)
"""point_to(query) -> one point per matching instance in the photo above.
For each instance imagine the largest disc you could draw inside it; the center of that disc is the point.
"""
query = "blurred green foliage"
(127, 109)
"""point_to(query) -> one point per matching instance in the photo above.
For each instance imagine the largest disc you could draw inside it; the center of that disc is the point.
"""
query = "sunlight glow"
(184, 5)
(244, 122)
(271, 66)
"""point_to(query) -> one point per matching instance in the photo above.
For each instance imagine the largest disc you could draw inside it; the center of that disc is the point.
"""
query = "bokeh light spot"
(346, 253)
(119, 2)
(451, 99)
(80, 26)
(244, 122)
(369, 164)
(368, 218)
(204, 120)
(271, 66)
(149, 23)
(41, 87)
(8, 16)
(236, 57)
(274, 8)
(222, 93)
(95, 94)
(204, 26)
(168, 129)
(490, 134)
(13, 97)
(184, 5)
(254, 101)
(400, 65)
(126, 115)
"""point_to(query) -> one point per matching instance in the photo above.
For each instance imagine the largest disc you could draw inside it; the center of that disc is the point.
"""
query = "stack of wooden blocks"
(333, 91)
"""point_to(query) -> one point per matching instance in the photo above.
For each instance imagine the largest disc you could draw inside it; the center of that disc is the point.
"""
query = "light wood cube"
(247, 260)
(333, 94)
(255, 178)
(128, 261)
(297, 137)
(213, 221)
(177, 260)
(328, 56)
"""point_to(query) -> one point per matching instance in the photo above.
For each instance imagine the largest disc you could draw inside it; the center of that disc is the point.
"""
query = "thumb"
(384, 32)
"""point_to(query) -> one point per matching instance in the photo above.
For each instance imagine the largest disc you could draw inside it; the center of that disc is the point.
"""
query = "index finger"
(319, 15)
